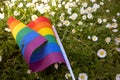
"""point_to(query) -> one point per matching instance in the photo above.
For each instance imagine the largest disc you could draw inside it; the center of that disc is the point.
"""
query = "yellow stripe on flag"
(46, 31)
(17, 28)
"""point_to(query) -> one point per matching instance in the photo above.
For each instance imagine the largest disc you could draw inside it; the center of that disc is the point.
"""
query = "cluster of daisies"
(84, 76)
(2, 13)
(69, 12)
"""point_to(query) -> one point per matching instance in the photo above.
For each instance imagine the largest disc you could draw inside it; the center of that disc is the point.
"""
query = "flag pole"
(64, 53)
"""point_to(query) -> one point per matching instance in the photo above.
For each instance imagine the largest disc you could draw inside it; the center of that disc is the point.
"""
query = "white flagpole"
(64, 53)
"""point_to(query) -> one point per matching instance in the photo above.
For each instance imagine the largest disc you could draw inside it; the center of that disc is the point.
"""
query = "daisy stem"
(64, 34)
(8, 11)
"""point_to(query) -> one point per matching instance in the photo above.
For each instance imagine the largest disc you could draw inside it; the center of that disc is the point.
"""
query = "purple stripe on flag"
(47, 61)
(34, 44)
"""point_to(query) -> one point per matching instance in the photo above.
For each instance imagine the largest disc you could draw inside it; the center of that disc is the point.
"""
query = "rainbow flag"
(37, 42)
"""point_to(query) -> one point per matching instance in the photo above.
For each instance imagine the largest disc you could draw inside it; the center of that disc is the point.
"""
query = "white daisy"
(104, 20)
(94, 38)
(89, 16)
(45, 1)
(101, 53)
(67, 5)
(59, 1)
(99, 20)
(38, 78)
(82, 76)
(16, 13)
(107, 11)
(84, 17)
(63, 3)
(84, 4)
(7, 29)
(52, 13)
(80, 23)
(117, 77)
(53, 3)
(95, 5)
(20, 5)
(115, 30)
(61, 18)
(77, 1)
(88, 10)
(11, 5)
(66, 23)
(114, 25)
(28, 5)
(59, 24)
(89, 37)
(62, 14)
(73, 31)
(118, 14)
(2, 15)
(67, 75)
(73, 16)
(94, 9)
(56, 66)
(82, 10)
(102, 3)
(114, 20)
(46, 8)
(34, 1)
(13, 0)
(73, 4)
(93, 1)
(29, 71)
(107, 40)
(91, 24)
(2, 9)
(69, 10)
(108, 25)
(34, 17)
(117, 40)
(59, 5)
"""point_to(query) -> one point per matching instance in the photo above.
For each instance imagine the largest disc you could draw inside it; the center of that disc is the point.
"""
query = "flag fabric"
(37, 42)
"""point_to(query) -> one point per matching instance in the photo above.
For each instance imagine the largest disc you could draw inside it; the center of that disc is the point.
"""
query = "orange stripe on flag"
(13, 24)
(42, 25)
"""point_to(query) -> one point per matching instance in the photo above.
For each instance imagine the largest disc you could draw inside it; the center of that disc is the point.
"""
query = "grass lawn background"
(81, 51)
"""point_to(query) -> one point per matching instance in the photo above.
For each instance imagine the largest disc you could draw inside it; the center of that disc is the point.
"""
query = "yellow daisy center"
(101, 52)
(82, 77)
(67, 23)
(94, 38)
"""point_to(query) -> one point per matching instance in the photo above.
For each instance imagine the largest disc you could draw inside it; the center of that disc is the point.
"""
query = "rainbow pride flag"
(37, 42)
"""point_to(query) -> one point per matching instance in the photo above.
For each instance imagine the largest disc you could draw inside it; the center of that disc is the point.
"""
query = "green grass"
(82, 52)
